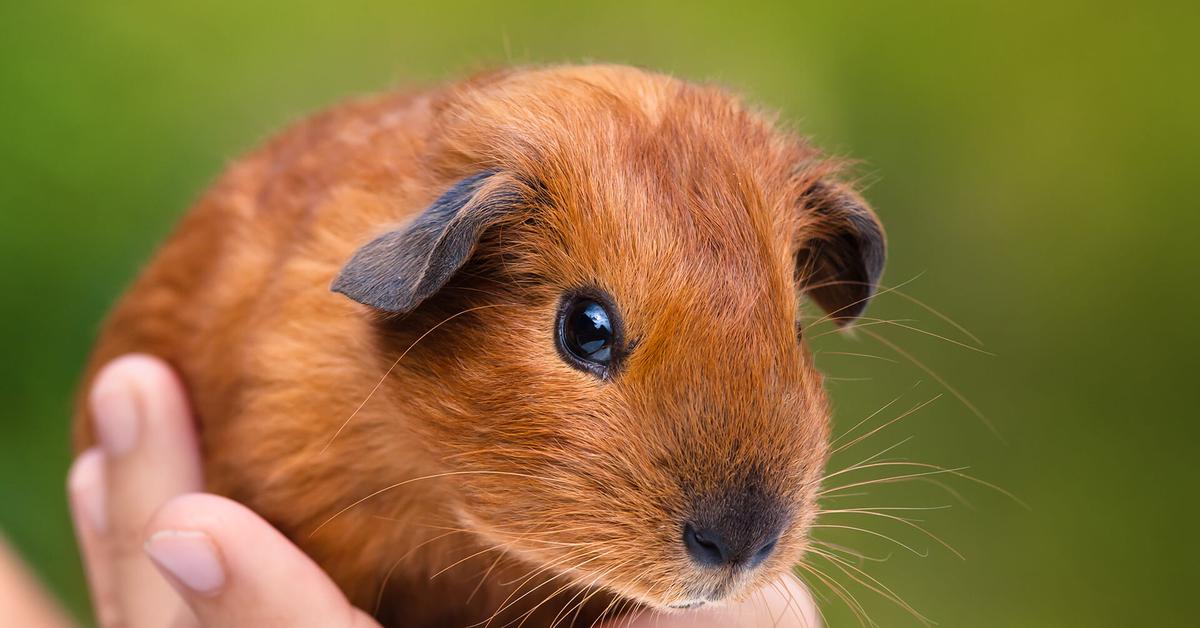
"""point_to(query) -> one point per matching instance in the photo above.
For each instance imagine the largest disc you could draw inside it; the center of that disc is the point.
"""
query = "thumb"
(233, 569)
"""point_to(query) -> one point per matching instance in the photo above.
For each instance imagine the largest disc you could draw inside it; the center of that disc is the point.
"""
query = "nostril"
(764, 552)
(705, 546)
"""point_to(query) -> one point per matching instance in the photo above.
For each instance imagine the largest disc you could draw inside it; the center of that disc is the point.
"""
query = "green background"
(1035, 165)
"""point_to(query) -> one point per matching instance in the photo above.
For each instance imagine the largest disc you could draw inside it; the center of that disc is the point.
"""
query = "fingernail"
(190, 557)
(86, 484)
(116, 411)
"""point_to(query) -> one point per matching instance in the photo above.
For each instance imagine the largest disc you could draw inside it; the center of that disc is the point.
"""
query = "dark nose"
(717, 547)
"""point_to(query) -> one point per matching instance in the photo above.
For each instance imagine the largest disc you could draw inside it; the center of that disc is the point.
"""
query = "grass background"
(1035, 165)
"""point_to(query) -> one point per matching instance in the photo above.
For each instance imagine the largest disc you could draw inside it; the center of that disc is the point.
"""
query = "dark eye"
(587, 334)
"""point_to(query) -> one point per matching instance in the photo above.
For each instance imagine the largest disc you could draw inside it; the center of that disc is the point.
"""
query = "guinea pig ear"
(842, 255)
(398, 270)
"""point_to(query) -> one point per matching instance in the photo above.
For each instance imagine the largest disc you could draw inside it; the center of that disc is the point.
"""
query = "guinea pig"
(524, 347)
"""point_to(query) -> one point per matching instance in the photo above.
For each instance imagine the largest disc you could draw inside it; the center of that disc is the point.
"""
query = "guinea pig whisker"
(940, 380)
(862, 611)
(878, 464)
(486, 574)
(570, 611)
(619, 601)
(911, 299)
(604, 612)
(490, 548)
(568, 556)
(383, 586)
(887, 405)
(871, 583)
(529, 613)
(862, 558)
(876, 455)
(624, 594)
(871, 462)
(908, 508)
(524, 617)
(762, 595)
(902, 324)
(418, 479)
(397, 362)
(591, 589)
(387, 576)
(865, 585)
(840, 590)
(830, 526)
(957, 472)
(858, 355)
(586, 591)
(830, 315)
(904, 415)
(907, 522)
(889, 479)
(525, 536)
(862, 322)
(954, 494)
(793, 605)
(623, 612)
(509, 601)
(819, 594)
(622, 598)
(847, 495)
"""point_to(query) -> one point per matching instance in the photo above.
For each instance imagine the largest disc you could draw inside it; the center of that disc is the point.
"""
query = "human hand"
(157, 552)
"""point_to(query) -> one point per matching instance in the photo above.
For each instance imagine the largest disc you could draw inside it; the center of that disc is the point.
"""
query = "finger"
(145, 428)
(23, 602)
(234, 569)
(86, 494)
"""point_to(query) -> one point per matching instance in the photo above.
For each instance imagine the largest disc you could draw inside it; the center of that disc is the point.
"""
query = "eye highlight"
(588, 333)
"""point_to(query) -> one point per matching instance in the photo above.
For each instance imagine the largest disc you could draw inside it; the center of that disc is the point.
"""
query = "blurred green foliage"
(1034, 163)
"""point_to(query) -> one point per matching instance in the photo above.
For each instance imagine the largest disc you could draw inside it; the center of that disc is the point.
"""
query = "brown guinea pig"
(559, 371)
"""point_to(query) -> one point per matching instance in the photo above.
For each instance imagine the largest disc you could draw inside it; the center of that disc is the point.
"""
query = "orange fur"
(676, 199)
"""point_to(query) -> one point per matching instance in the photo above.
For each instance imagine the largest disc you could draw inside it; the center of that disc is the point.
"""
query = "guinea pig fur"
(559, 373)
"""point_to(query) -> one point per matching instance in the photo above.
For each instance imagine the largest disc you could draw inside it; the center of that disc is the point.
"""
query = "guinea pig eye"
(587, 334)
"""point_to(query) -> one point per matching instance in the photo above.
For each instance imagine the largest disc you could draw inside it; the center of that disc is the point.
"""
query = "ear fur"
(841, 260)
(399, 270)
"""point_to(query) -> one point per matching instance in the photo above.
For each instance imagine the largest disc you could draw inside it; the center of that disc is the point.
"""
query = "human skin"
(158, 552)
(23, 602)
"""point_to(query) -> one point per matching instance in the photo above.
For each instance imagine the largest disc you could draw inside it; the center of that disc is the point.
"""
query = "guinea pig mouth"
(716, 594)
(717, 597)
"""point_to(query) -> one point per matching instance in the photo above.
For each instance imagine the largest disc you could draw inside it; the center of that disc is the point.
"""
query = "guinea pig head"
(602, 310)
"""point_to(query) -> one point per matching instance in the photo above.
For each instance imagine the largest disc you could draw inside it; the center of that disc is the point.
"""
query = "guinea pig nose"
(712, 547)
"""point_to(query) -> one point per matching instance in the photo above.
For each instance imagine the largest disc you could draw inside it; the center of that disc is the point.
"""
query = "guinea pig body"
(559, 372)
